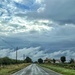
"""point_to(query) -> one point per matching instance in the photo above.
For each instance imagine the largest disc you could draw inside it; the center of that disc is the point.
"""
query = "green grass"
(8, 70)
(61, 70)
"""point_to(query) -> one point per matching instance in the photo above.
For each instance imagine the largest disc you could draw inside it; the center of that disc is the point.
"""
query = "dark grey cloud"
(61, 11)
(49, 25)
(60, 38)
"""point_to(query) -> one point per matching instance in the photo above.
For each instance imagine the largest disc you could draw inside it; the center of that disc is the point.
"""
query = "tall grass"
(9, 69)
(61, 70)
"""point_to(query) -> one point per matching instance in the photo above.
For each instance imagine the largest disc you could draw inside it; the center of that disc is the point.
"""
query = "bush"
(8, 61)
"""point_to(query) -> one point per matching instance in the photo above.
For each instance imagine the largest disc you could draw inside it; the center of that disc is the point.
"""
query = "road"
(34, 69)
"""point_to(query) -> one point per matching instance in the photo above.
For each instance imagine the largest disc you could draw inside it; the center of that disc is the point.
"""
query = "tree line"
(8, 61)
(62, 59)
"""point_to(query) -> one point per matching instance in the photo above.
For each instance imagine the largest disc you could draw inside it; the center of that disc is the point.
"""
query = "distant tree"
(1, 61)
(35, 62)
(54, 60)
(71, 61)
(6, 61)
(63, 59)
(28, 60)
(40, 60)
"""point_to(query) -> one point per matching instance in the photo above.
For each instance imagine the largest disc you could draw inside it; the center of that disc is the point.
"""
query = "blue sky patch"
(22, 6)
(30, 24)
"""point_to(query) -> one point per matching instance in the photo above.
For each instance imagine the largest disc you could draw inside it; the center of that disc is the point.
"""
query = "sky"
(39, 28)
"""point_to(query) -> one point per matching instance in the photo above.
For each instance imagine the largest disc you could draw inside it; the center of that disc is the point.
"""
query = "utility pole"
(23, 56)
(16, 54)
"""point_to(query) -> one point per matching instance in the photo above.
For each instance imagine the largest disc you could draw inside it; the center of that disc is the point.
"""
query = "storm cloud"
(44, 27)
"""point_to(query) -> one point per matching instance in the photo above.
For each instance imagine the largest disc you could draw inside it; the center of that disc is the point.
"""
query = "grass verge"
(61, 70)
(8, 70)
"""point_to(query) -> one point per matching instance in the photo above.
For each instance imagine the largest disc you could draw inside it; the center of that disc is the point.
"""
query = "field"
(61, 69)
(9, 69)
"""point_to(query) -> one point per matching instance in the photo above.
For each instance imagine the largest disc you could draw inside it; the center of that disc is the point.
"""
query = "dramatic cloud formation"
(36, 53)
(40, 28)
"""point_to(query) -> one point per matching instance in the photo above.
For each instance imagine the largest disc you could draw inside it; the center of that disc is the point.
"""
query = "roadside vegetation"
(8, 61)
(10, 69)
(63, 67)
(57, 68)
(8, 66)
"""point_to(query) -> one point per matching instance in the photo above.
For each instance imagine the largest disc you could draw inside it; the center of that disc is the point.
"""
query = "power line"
(7, 42)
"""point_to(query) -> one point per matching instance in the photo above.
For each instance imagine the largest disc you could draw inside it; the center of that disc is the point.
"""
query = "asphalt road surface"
(34, 69)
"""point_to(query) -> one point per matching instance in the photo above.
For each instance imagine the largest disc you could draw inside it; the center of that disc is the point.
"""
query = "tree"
(63, 59)
(54, 60)
(28, 60)
(6, 60)
(71, 60)
(40, 60)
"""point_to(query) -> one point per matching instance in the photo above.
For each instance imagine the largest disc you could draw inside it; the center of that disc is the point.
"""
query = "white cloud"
(4, 52)
(39, 1)
(35, 24)
(18, 1)
(36, 52)
(32, 52)
(67, 53)
(41, 9)
(20, 25)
